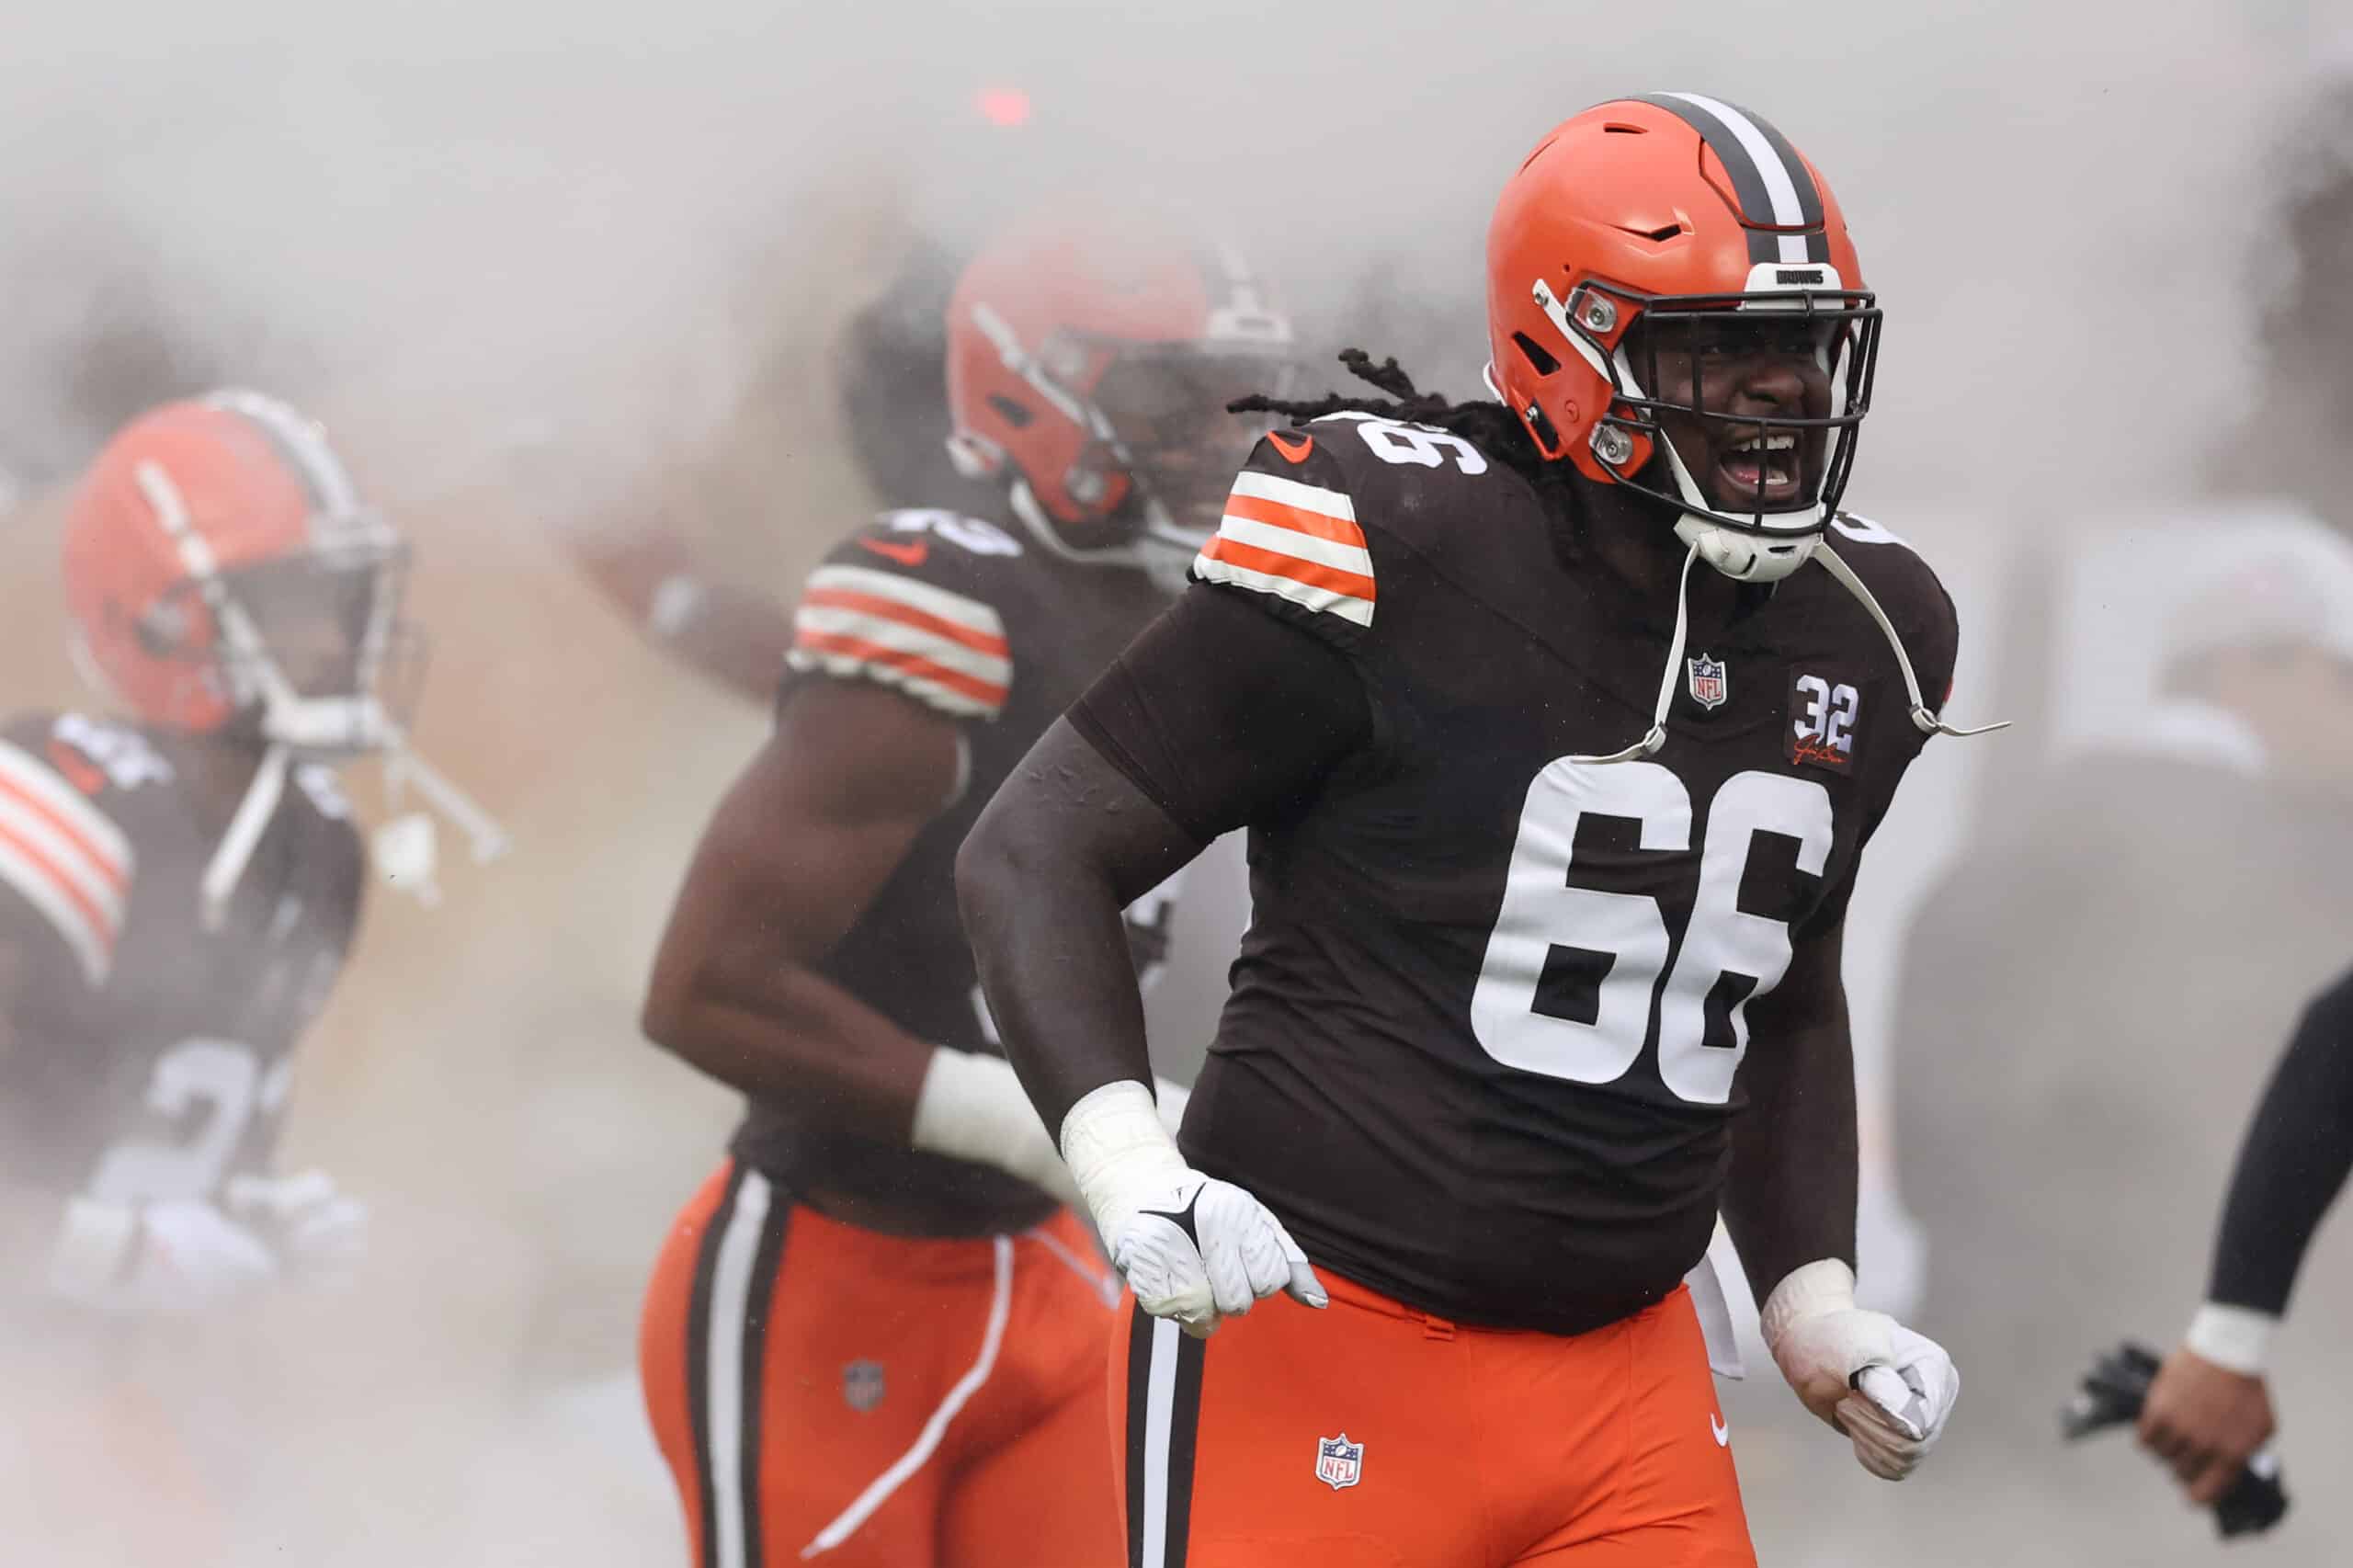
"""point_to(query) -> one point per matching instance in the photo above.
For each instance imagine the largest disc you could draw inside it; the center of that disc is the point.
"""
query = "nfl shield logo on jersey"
(1338, 1463)
(862, 1385)
(1707, 682)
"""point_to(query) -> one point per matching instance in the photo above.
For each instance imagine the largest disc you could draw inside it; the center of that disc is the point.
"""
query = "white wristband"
(973, 1107)
(2236, 1338)
(1825, 1285)
(1118, 1151)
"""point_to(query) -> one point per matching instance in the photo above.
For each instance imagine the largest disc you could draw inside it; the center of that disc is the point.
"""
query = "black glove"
(2111, 1395)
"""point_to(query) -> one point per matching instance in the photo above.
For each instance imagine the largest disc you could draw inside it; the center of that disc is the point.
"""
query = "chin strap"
(1930, 723)
(1162, 550)
(486, 838)
(1656, 737)
(227, 867)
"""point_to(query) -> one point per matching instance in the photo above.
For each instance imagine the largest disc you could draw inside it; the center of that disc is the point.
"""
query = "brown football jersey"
(992, 629)
(1482, 1044)
(153, 1047)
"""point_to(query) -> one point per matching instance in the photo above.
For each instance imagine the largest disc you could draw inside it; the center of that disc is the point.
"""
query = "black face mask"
(1834, 334)
(1165, 409)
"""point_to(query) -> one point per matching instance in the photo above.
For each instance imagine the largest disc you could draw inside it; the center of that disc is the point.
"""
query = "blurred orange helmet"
(218, 564)
(1088, 369)
(1676, 205)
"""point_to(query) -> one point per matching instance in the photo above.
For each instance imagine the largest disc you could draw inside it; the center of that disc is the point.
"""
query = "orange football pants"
(1371, 1436)
(826, 1390)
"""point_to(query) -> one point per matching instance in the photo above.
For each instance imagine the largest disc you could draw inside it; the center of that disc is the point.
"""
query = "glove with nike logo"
(1890, 1390)
(1191, 1247)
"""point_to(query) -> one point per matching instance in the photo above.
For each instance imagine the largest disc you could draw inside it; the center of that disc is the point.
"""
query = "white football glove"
(1191, 1247)
(183, 1255)
(318, 1233)
(973, 1107)
(1888, 1390)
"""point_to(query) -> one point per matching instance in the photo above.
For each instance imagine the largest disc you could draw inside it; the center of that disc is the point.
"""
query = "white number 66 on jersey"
(1541, 911)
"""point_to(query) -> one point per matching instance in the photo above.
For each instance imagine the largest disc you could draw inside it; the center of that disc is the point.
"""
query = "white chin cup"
(328, 725)
(1745, 557)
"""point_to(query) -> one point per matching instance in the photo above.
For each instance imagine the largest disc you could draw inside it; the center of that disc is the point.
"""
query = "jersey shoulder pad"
(915, 600)
(1328, 517)
(67, 859)
(1911, 593)
(1292, 538)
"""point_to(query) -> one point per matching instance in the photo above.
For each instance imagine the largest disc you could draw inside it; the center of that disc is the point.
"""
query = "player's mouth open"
(1760, 470)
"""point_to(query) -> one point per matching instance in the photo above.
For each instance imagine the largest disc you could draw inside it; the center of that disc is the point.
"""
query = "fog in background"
(549, 266)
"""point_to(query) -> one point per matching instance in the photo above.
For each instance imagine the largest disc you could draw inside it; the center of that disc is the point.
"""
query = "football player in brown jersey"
(878, 1332)
(180, 879)
(1521, 1003)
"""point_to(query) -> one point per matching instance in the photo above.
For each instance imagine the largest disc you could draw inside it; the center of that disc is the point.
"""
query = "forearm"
(2293, 1164)
(736, 637)
(1789, 1192)
(1040, 882)
(780, 1032)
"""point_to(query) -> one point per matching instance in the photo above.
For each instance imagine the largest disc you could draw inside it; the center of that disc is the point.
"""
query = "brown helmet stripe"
(1780, 203)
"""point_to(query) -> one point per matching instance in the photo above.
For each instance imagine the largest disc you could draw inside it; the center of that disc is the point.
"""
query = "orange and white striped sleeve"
(940, 647)
(1295, 542)
(64, 858)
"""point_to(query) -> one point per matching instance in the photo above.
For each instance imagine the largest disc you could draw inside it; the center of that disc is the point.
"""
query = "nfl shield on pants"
(822, 1391)
(1373, 1435)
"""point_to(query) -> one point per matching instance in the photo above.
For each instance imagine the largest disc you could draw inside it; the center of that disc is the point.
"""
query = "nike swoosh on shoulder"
(1293, 451)
(912, 554)
(1724, 1433)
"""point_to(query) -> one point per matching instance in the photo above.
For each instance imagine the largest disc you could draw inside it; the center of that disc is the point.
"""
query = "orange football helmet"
(1088, 369)
(1646, 212)
(219, 565)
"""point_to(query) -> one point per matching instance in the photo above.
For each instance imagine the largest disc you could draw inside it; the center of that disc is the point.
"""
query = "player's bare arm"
(736, 637)
(798, 848)
(797, 851)
(1253, 714)
(1069, 832)
(1790, 1196)
(1789, 1202)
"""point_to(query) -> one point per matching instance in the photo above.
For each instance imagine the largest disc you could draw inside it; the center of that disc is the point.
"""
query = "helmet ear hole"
(1016, 414)
(162, 629)
(1540, 359)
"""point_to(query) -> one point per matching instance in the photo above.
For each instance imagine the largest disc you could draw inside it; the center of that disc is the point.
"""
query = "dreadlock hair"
(1492, 428)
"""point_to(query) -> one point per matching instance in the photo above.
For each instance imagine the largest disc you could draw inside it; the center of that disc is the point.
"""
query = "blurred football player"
(180, 877)
(179, 880)
(1523, 900)
(878, 1331)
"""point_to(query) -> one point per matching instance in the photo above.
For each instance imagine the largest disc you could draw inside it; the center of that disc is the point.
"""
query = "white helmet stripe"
(1771, 182)
(1780, 189)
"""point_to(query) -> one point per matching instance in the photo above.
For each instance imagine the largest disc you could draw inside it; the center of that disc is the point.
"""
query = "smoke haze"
(537, 263)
